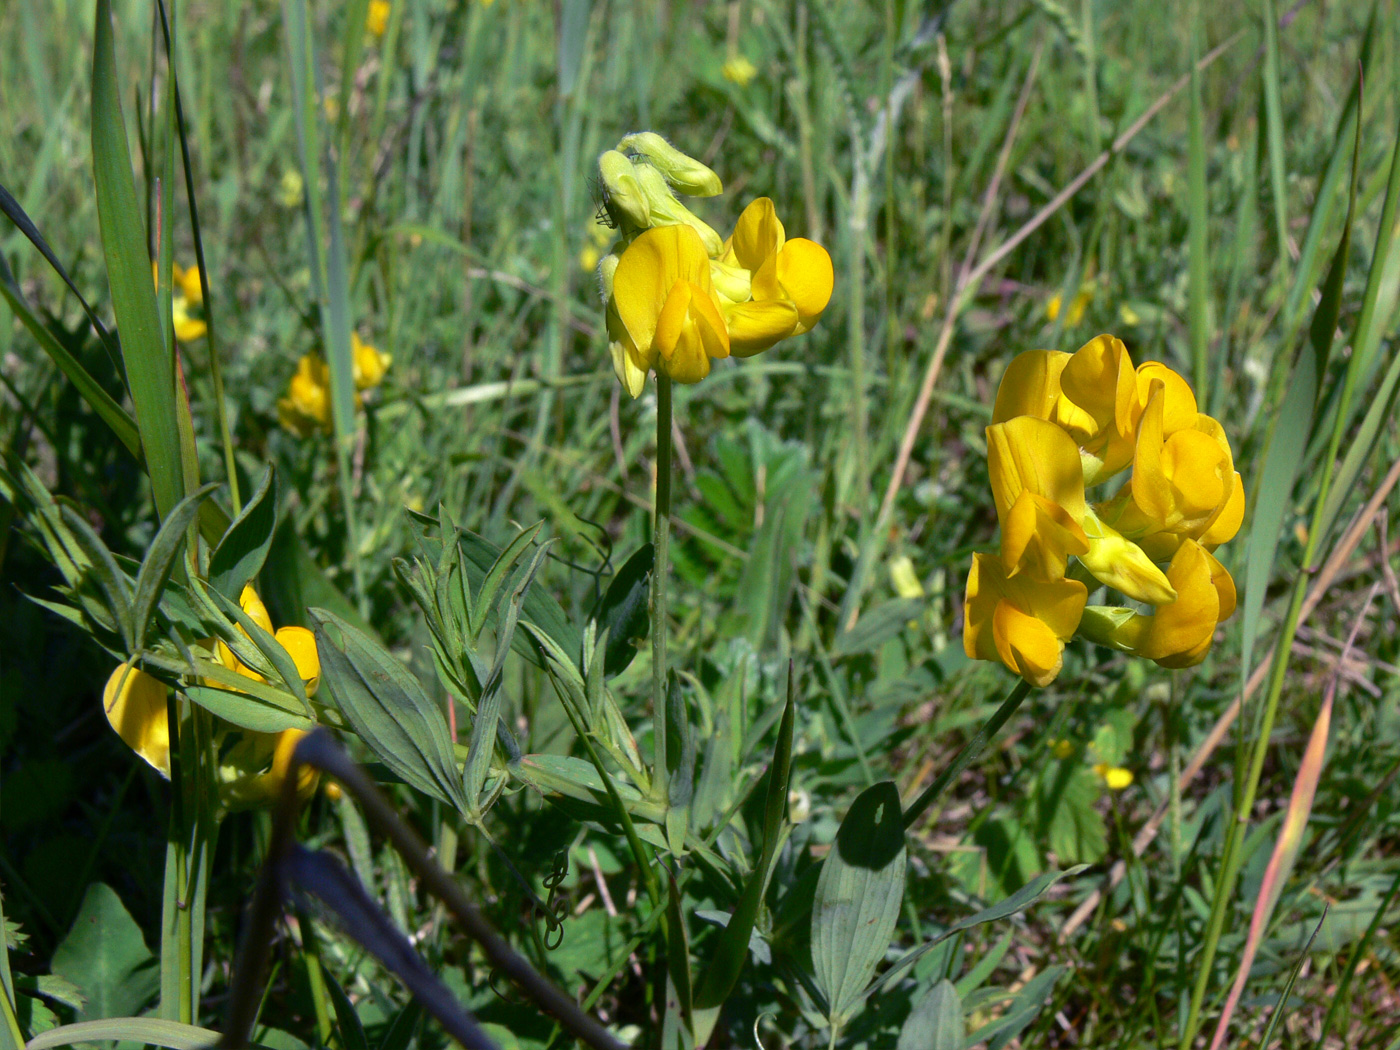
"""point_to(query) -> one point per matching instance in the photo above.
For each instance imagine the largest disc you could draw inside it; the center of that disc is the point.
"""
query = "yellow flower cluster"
(377, 17)
(678, 296)
(307, 406)
(252, 770)
(1064, 423)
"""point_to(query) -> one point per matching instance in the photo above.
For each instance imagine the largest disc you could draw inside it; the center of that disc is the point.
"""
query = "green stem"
(661, 537)
(971, 750)
(320, 994)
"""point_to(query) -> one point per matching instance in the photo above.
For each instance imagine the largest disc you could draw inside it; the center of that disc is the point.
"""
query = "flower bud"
(623, 195)
(665, 210)
(683, 172)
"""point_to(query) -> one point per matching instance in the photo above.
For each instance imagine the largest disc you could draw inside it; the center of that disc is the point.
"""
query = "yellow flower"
(1115, 778)
(134, 703)
(291, 189)
(187, 292)
(369, 363)
(739, 71)
(1184, 483)
(298, 641)
(252, 771)
(790, 281)
(904, 578)
(377, 17)
(1038, 487)
(1179, 633)
(308, 401)
(1093, 394)
(663, 312)
(1022, 622)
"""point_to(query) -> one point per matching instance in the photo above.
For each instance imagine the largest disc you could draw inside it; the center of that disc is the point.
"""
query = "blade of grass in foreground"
(150, 371)
(1198, 288)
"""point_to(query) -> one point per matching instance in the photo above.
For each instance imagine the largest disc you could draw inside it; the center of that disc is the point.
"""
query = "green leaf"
(388, 709)
(858, 897)
(116, 588)
(936, 1022)
(160, 558)
(148, 1031)
(352, 1032)
(1022, 1010)
(150, 370)
(479, 557)
(732, 945)
(241, 552)
(104, 956)
(1025, 896)
(622, 612)
(247, 712)
(877, 626)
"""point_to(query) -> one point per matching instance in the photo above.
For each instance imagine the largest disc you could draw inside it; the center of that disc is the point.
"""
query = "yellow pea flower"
(739, 71)
(298, 641)
(1038, 486)
(1093, 394)
(377, 17)
(1115, 778)
(308, 401)
(1077, 305)
(369, 364)
(1184, 483)
(187, 292)
(790, 281)
(134, 703)
(1179, 633)
(663, 312)
(1024, 623)
(252, 771)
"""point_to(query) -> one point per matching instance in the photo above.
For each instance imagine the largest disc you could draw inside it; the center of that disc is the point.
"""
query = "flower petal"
(806, 275)
(755, 326)
(647, 272)
(1030, 385)
(758, 235)
(301, 647)
(134, 702)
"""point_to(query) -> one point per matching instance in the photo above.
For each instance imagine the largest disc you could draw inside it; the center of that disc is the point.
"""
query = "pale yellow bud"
(624, 197)
(683, 172)
(665, 210)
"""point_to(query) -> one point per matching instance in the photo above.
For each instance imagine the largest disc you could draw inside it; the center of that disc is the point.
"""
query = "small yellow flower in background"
(739, 71)
(1115, 778)
(1077, 305)
(592, 252)
(369, 364)
(1062, 749)
(677, 296)
(904, 579)
(307, 405)
(134, 703)
(187, 292)
(377, 17)
(291, 190)
(1061, 424)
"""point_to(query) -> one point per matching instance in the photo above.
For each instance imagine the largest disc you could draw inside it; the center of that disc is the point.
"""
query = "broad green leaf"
(104, 956)
(936, 1022)
(858, 896)
(148, 1031)
(242, 550)
(150, 370)
(246, 711)
(388, 709)
(160, 558)
(622, 612)
(678, 962)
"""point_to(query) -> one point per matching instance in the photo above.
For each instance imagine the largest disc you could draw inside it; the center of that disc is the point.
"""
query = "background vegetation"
(920, 145)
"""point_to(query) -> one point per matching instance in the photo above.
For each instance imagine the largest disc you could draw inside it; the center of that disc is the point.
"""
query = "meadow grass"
(985, 182)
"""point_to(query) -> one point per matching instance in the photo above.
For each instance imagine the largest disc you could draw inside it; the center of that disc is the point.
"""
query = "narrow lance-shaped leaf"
(159, 559)
(150, 371)
(732, 945)
(242, 550)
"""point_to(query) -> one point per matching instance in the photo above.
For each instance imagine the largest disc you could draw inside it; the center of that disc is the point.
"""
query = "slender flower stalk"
(661, 542)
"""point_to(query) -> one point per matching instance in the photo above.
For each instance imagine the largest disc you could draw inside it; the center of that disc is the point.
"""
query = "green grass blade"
(116, 417)
(150, 372)
(1198, 288)
(1273, 111)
